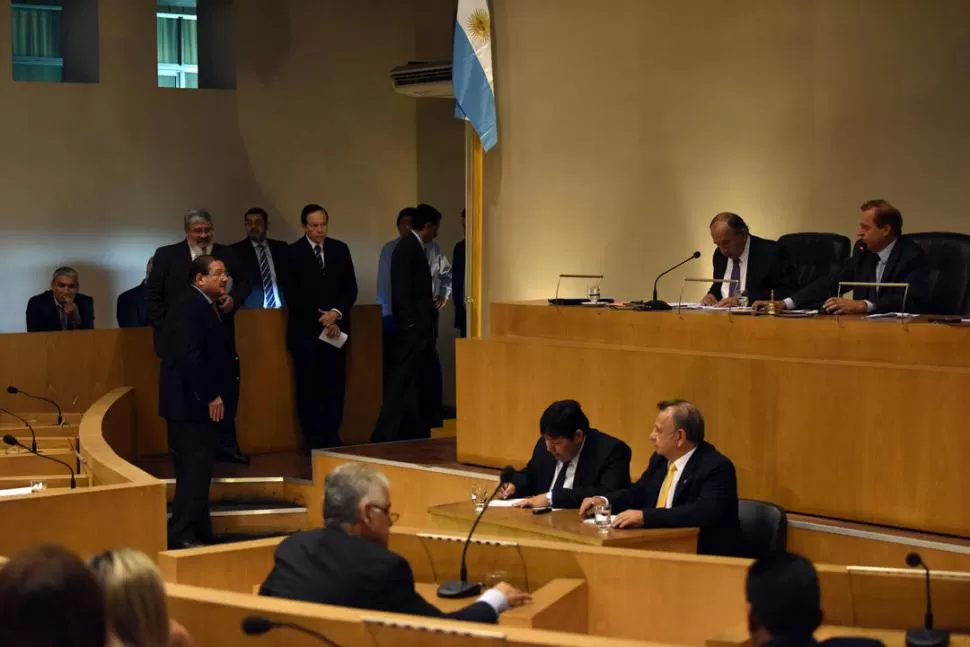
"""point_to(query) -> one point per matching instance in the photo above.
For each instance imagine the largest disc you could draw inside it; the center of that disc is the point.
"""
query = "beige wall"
(626, 124)
(97, 175)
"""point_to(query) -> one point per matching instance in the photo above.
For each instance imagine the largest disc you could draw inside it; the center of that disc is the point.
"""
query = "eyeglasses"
(392, 516)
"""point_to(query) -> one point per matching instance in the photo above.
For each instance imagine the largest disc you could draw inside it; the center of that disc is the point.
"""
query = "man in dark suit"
(757, 264)
(132, 308)
(571, 461)
(458, 282)
(321, 289)
(882, 255)
(262, 260)
(687, 483)
(166, 282)
(785, 605)
(410, 393)
(61, 307)
(347, 563)
(198, 390)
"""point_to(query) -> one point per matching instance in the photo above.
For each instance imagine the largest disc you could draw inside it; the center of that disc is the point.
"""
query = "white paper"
(503, 503)
(16, 491)
(336, 342)
(892, 315)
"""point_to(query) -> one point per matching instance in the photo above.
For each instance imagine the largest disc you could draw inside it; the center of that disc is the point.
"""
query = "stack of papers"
(510, 503)
(892, 315)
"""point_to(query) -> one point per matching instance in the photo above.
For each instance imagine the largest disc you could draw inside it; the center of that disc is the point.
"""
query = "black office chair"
(815, 255)
(949, 256)
(764, 528)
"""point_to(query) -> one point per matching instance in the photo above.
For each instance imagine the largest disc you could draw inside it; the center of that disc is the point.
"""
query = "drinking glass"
(494, 577)
(38, 486)
(602, 515)
(479, 496)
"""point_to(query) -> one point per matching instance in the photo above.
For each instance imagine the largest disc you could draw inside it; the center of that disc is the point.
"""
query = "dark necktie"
(318, 253)
(561, 477)
(269, 297)
(735, 284)
(215, 309)
(64, 319)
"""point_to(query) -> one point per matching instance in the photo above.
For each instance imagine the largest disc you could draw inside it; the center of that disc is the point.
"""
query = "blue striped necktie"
(269, 295)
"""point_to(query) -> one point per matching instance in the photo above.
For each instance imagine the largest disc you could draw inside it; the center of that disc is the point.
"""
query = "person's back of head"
(784, 599)
(135, 597)
(49, 598)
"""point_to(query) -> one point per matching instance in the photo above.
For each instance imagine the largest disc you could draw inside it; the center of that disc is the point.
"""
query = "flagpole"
(475, 185)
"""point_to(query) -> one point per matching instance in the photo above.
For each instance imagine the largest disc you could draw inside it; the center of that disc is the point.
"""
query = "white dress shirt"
(680, 463)
(567, 483)
(323, 259)
(729, 268)
(200, 251)
(272, 270)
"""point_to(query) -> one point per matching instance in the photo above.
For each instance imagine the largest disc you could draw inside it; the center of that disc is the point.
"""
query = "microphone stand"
(656, 304)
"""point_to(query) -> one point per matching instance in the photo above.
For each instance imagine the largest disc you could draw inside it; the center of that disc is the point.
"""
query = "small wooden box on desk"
(561, 525)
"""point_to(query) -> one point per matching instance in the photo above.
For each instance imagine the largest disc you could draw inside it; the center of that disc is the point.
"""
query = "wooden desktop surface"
(738, 636)
(562, 525)
(822, 416)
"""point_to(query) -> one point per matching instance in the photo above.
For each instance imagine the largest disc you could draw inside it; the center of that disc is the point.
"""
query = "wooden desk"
(562, 525)
(738, 636)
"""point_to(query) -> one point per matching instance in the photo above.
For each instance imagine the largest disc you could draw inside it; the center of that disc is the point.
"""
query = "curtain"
(36, 32)
(167, 31)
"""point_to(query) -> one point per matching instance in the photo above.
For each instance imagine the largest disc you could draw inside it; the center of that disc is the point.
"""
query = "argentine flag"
(472, 70)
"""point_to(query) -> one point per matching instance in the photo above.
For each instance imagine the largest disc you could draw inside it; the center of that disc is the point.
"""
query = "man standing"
(409, 394)
(166, 282)
(198, 390)
(61, 307)
(458, 272)
(262, 261)
(405, 219)
(757, 264)
(132, 309)
(321, 289)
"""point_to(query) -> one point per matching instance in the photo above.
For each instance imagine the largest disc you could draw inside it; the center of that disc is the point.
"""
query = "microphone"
(258, 625)
(462, 588)
(927, 636)
(655, 303)
(13, 442)
(33, 435)
(60, 415)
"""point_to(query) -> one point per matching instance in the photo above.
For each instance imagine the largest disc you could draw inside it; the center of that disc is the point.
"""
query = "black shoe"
(233, 456)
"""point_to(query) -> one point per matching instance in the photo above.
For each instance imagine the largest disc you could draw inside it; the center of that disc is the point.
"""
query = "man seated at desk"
(62, 307)
(687, 483)
(748, 264)
(347, 563)
(882, 255)
(571, 461)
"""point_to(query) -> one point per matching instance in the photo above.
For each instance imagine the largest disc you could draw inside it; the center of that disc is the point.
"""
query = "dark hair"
(49, 598)
(424, 214)
(734, 222)
(561, 419)
(257, 211)
(886, 214)
(312, 208)
(784, 595)
(200, 265)
(406, 212)
(687, 417)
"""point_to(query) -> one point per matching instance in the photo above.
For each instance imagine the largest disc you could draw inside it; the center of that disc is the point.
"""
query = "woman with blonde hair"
(135, 599)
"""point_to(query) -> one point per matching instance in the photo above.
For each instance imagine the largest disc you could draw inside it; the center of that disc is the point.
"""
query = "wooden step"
(19, 462)
(240, 489)
(260, 521)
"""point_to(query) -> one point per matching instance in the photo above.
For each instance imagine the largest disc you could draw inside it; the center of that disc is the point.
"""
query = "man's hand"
(69, 306)
(628, 519)
(327, 318)
(730, 302)
(439, 303)
(514, 596)
(217, 409)
(762, 306)
(586, 507)
(332, 331)
(841, 306)
(507, 491)
(709, 300)
(225, 303)
(538, 501)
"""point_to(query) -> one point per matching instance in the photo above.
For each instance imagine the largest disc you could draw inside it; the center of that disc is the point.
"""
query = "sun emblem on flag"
(479, 26)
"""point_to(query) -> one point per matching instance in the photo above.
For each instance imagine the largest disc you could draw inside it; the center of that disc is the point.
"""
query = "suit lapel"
(586, 457)
(892, 261)
(686, 479)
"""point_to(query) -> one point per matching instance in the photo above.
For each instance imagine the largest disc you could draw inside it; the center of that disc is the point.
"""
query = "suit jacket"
(412, 298)
(308, 290)
(132, 308)
(458, 285)
(907, 263)
(769, 268)
(43, 315)
(249, 264)
(706, 497)
(603, 466)
(328, 566)
(199, 363)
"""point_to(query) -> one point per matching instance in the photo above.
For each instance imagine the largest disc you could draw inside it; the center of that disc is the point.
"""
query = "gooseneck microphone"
(927, 636)
(33, 434)
(60, 414)
(462, 588)
(13, 442)
(655, 303)
(259, 625)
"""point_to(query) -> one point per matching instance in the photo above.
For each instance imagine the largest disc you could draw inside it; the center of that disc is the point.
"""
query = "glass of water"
(602, 515)
(38, 486)
(479, 496)
(593, 293)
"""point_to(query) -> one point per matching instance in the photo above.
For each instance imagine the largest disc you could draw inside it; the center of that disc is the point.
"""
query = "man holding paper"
(570, 461)
(320, 288)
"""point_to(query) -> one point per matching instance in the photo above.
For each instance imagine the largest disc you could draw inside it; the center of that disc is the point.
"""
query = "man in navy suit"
(687, 483)
(62, 307)
(132, 309)
(262, 260)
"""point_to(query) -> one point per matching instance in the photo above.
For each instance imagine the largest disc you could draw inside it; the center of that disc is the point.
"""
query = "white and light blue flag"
(472, 70)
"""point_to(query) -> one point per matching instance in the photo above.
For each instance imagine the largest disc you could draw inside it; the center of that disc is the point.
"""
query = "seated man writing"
(570, 462)
(687, 484)
(347, 563)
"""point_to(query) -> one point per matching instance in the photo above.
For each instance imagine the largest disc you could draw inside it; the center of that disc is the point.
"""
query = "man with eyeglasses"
(347, 563)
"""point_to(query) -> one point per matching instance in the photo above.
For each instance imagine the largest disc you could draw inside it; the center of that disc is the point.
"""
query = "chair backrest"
(815, 255)
(949, 257)
(764, 528)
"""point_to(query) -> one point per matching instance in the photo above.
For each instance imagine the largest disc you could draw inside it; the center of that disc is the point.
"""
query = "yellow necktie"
(665, 488)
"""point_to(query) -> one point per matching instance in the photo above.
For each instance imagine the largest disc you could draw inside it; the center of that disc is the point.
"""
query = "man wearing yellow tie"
(687, 483)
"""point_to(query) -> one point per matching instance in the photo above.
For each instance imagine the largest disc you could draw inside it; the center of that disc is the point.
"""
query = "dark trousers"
(409, 391)
(320, 374)
(194, 446)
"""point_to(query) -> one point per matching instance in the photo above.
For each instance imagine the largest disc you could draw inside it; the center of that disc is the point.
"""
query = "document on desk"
(892, 315)
(698, 306)
(17, 491)
(336, 342)
(509, 503)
